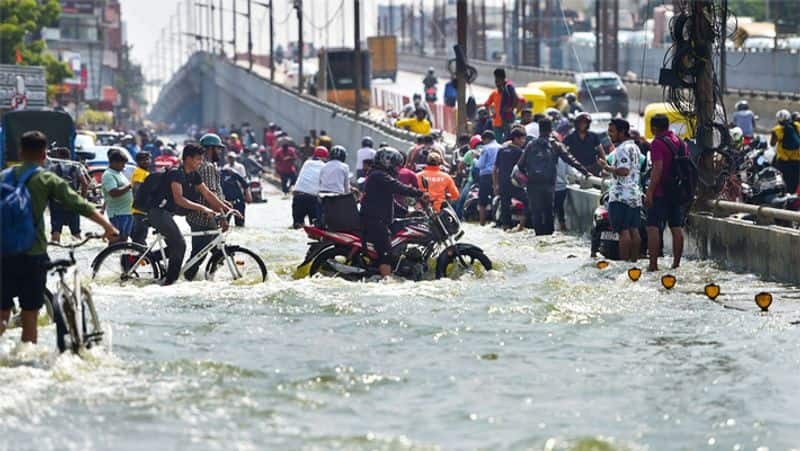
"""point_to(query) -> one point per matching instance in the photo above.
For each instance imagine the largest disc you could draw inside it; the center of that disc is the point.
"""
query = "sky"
(146, 18)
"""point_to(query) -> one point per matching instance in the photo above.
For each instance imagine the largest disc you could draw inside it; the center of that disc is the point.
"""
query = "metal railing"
(760, 212)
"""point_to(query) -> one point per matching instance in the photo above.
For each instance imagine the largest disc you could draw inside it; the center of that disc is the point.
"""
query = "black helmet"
(388, 158)
(571, 97)
(338, 153)
(365, 142)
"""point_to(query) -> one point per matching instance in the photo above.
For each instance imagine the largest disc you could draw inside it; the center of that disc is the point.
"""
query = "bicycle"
(131, 262)
(69, 306)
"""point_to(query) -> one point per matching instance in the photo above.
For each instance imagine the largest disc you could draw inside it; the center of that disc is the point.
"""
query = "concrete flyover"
(211, 91)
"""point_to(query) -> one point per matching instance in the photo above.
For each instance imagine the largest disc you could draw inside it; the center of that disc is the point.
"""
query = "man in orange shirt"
(441, 186)
(503, 101)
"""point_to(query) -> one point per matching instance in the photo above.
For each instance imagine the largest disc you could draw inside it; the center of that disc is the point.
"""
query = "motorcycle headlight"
(451, 223)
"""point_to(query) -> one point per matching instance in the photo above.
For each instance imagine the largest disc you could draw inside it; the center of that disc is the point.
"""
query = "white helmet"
(783, 116)
(736, 133)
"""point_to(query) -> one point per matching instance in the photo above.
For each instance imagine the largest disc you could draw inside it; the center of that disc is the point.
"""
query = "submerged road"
(545, 352)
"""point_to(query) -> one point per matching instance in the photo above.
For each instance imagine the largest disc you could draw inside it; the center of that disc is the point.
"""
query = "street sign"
(29, 79)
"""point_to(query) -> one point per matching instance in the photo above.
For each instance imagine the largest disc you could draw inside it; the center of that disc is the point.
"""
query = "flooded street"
(546, 352)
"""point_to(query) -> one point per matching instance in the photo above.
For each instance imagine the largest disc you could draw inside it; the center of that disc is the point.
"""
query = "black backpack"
(682, 184)
(151, 192)
(791, 139)
(540, 163)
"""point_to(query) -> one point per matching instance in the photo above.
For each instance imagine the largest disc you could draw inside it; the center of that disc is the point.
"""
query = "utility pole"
(221, 33)
(180, 34)
(503, 27)
(403, 27)
(421, 29)
(210, 18)
(250, 34)
(461, 104)
(357, 47)
(298, 4)
(271, 46)
(390, 27)
(515, 34)
(411, 31)
(704, 91)
(723, 57)
(233, 41)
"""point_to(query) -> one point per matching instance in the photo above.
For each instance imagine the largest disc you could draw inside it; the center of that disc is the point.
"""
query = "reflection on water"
(546, 352)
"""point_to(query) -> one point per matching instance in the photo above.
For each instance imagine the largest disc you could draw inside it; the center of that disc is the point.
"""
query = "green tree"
(21, 23)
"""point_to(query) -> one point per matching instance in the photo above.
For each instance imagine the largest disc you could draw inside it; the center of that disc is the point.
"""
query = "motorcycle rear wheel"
(321, 264)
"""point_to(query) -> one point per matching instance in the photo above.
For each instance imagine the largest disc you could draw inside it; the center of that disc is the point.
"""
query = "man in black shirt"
(179, 194)
(584, 144)
(377, 206)
(507, 157)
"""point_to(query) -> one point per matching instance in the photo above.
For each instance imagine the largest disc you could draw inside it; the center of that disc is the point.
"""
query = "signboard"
(73, 60)
(29, 79)
(77, 6)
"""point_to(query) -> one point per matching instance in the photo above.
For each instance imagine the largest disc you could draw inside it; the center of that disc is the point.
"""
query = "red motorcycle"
(416, 240)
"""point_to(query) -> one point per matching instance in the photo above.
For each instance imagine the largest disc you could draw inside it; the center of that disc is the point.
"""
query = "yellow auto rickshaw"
(536, 97)
(677, 122)
(554, 90)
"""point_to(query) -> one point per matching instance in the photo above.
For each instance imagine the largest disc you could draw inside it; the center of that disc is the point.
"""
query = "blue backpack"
(18, 227)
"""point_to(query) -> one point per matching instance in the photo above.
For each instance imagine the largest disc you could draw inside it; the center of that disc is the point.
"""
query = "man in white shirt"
(305, 202)
(625, 194)
(366, 152)
(334, 177)
(234, 165)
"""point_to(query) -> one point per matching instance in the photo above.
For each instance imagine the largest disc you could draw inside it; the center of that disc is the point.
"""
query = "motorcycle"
(430, 94)
(604, 239)
(470, 210)
(416, 240)
(517, 210)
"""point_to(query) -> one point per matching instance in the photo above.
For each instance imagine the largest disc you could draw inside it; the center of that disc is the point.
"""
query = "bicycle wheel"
(66, 322)
(242, 266)
(92, 332)
(126, 262)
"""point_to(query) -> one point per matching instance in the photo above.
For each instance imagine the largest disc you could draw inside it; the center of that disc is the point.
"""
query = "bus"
(336, 77)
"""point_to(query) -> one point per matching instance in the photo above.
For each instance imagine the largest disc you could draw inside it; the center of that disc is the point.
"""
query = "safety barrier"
(444, 117)
(387, 100)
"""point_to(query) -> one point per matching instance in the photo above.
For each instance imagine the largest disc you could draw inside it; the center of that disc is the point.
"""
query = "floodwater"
(547, 353)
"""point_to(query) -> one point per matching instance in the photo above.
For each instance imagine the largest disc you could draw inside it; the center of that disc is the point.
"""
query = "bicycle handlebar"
(89, 237)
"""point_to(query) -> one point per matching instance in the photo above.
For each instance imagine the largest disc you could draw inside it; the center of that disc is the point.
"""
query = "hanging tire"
(249, 268)
(114, 262)
(474, 260)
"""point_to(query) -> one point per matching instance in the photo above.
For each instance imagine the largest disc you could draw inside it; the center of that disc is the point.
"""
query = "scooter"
(604, 239)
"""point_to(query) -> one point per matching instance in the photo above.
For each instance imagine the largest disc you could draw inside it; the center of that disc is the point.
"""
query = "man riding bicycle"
(180, 194)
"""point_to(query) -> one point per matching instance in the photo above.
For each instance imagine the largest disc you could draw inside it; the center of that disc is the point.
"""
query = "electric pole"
(233, 41)
(180, 34)
(357, 46)
(221, 33)
(298, 4)
(250, 36)
(271, 46)
(421, 29)
(461, 19)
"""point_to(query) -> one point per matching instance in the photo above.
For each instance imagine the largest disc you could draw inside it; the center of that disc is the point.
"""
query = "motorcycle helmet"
(431, 71)
(338, 153)
(388, 158)
(474, 141)
(742, 105)
(367, 142)
(737, 137)
(320, 152)
(211, 140)
(795, 116)
(482, 112)
(571, 98)
(254, 147)
(553, 113)
(783, 116)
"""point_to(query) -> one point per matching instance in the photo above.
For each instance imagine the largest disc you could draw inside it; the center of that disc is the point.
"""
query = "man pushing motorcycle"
(377, 206)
